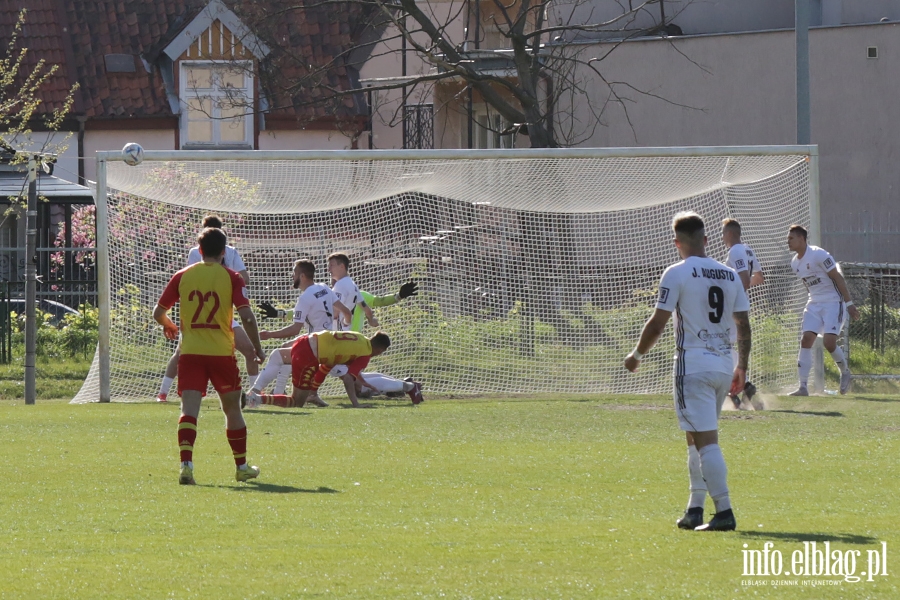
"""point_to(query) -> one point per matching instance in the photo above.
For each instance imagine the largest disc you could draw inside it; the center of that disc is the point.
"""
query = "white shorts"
(235, 324)
(339, 370)
(824, 317)
(699, 398)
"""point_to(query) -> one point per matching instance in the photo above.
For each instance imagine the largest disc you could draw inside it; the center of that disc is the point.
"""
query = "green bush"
(76, 335)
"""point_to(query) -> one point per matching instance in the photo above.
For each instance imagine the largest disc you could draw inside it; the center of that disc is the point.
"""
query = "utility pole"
(801, 28)
(31, 280)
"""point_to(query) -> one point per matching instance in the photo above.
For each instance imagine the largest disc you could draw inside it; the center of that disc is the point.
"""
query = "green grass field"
(571, 497)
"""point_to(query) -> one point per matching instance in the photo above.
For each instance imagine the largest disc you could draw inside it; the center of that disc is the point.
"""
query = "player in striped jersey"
(708, 301)
(314, 355)
(742, 259)
(207, 291)
(829, 301)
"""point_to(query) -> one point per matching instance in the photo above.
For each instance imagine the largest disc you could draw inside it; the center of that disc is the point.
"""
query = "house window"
(487, 126)
(418, 126)
(217, 104)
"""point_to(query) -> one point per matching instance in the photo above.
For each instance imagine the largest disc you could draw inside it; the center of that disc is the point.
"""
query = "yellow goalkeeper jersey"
(341, 347)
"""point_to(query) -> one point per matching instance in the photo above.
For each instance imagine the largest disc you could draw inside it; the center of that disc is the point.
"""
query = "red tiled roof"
(78, 34)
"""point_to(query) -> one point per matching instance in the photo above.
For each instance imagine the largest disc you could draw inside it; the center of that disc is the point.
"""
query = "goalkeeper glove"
(268, 311)
(410, 288)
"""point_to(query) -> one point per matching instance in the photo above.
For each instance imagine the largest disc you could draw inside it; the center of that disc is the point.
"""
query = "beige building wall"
(307, 139)
(741, 90)
(100, 140)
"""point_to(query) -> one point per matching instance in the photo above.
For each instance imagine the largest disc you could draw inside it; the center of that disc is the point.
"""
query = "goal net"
(536, 268)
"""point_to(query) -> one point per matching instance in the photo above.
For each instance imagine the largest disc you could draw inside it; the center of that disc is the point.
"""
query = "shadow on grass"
(287, 412)
(814, 413)
(844, 538)
(873, 399)
(258, 486)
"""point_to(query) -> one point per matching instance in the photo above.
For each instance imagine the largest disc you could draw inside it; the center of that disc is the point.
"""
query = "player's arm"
(742, 323)
(841, 284)
(379, 301)
(168, 299)
(745, 279)
(161, 316)
(291, 331)
(758, 278)
(410, 288)
(354, 371)
(245, 276)
(370, 316)
(248, 319)
(650, 334)
(342, 310)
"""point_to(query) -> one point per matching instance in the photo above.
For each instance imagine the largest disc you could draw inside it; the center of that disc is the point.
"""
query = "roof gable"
(203, 23)
(79, 35)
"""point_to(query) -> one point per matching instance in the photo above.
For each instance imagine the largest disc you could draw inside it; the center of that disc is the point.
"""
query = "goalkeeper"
(377, 383)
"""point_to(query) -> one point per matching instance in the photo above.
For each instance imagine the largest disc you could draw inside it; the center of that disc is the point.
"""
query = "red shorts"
(195, 371)
(305, 370)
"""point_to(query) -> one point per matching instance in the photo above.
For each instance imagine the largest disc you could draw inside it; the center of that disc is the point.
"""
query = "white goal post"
(536, 267)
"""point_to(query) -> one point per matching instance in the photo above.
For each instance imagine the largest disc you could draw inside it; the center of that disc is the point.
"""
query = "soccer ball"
(133, 154)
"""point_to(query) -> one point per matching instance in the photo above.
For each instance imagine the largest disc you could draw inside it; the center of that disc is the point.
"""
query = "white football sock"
(698, 485)
(838, 356)
(712, 465)
(281, 381)
(383, 383)
(804, 364)
(270, 372)
(166, 385)
(251, 379)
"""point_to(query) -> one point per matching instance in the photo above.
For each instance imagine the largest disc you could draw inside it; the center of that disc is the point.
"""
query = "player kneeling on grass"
(311, 358)
(708, 299)
(207, 291)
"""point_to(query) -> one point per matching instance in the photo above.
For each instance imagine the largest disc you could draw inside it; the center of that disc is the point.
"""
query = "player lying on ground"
(311, 358)
(316, 310)
(207, 291)
(378, 383)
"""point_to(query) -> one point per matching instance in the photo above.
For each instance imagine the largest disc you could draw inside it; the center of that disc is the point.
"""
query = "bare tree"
(531, 61)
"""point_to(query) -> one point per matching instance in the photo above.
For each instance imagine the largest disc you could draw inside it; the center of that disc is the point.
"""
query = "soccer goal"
(537, 268)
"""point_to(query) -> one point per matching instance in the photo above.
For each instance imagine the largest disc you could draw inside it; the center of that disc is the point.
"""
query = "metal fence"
(67, 279)
(873, 341)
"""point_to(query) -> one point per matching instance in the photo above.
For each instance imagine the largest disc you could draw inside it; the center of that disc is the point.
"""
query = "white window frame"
(218, 95)
(488, 137)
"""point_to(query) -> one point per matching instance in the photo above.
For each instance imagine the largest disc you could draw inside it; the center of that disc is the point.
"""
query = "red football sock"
(278, 400)
(187, 435)
(237, 438)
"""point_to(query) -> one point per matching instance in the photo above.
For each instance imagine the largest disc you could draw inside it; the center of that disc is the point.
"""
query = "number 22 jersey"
(703, 294)
(207, 292)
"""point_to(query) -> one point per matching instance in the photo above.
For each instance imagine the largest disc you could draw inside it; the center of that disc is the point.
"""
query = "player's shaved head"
(731, 225)
(689, 229)
(212, 242)
(212, 221)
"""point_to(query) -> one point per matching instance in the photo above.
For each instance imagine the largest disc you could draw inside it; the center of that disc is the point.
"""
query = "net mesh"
(535, 275)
